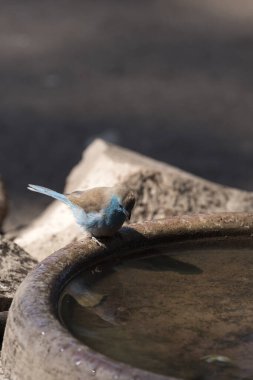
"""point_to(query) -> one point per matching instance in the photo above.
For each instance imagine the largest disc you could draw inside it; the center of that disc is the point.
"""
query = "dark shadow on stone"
(164, 263)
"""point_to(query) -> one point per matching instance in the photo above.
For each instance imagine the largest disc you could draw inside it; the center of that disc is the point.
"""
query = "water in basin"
(188, 316)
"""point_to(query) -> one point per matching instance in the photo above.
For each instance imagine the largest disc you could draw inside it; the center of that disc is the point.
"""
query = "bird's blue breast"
(108, 221)
(98, 225)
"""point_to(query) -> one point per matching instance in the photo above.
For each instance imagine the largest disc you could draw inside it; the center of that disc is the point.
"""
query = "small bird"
(100, 211)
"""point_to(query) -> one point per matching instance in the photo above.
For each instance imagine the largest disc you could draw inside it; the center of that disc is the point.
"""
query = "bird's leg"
(98, 242)
(87, 235)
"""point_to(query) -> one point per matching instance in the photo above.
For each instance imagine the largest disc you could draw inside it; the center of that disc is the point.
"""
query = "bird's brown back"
(97, 198)
(92, 200)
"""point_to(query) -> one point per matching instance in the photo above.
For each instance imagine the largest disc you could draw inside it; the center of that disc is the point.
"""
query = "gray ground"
(170, 79)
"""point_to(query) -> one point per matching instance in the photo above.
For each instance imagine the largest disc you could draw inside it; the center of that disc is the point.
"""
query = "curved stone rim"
(36, 345)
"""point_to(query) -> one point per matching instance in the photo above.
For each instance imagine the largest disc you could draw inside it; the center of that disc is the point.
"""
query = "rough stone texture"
(2, 377)
(15, 263)
(162, 191)
(3, 202)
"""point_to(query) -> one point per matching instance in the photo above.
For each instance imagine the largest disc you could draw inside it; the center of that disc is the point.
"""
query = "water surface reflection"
(189, 316)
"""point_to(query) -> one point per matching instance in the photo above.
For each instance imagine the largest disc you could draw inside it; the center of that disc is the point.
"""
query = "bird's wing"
(92, 200)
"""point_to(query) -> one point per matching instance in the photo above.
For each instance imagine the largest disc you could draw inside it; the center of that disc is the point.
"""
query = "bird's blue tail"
(50, 193)
(79, 214)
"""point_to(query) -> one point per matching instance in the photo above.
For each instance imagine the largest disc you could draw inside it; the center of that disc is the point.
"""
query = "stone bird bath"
(38, 345)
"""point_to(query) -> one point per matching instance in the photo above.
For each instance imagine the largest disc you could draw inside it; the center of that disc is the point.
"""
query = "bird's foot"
(98, 242)
(88, 236)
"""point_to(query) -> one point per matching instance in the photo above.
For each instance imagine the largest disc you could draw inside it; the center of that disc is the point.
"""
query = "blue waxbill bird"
(101, 211)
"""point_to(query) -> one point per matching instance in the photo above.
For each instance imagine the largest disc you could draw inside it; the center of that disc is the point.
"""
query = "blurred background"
(171, 79)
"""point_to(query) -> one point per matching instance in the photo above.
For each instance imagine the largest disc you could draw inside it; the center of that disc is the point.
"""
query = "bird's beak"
(128, 214)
